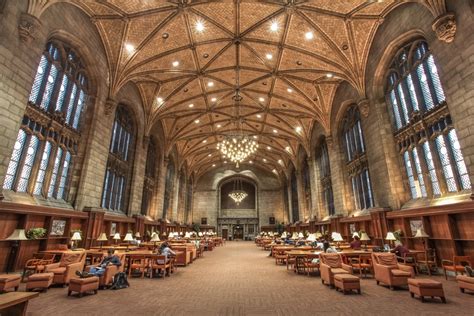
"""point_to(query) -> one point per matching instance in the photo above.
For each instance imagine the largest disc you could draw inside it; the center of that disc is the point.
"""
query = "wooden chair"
(428, 260)
(456, 265)
(363, 263)
(309, 265)
(409, 259)
(290, 261)
(138, 262)
(158, 263)
(280, 257)
(37, 264)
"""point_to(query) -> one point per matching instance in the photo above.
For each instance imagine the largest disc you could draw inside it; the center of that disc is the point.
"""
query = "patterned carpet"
(239, 279)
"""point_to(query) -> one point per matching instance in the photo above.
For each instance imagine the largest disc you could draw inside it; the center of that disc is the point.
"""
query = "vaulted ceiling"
(189, 59)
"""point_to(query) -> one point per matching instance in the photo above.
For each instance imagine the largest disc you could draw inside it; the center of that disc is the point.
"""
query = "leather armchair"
(331, 264)
(66, 268)
(111, 270)
(388, 271)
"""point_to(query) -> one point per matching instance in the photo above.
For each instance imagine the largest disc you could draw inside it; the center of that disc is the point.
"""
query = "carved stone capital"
(363, 107)
(445, 27)
(110, 106)
(329, 141)
(28, 27)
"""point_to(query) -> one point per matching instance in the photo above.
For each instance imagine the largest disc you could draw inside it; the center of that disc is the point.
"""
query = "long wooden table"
(15, 303)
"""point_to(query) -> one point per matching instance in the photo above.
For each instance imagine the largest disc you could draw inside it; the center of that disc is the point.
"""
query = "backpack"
(120, 281)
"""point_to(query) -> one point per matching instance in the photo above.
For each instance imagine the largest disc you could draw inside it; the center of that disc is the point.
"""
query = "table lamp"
(337, 238)
(284, 235)
(366, 238)
(300, 235)
(170, 235)
(355, 234)
(15, 238)
(200, 234)
(128, 238)
(101, 239)
(116, 237)
(318, 235)
(154, 238)
(176, 235)
(76, 237)
(420, 233)
(137, 235)
(311, 238)
(390, 237)
(187, 235)
(294, 236)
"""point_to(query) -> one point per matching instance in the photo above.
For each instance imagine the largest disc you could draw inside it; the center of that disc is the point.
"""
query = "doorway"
(225, 233)
(238, 232)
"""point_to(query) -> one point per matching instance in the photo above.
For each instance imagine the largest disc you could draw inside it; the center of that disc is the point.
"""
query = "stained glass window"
(42, 169)
(15, 160)
(325, 178)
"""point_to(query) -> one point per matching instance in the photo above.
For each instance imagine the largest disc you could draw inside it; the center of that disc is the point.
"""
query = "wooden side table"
(15, 303)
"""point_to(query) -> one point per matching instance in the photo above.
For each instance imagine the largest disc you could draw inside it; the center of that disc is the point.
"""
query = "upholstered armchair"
(457, 265)
(388, 271)
(66, 268)
(331, 264)
(111, 270)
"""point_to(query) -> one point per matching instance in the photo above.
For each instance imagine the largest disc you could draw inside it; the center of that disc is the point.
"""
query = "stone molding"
(28, 28)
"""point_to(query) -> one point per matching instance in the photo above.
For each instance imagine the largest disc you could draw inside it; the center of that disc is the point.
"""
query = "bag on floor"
(120, 281)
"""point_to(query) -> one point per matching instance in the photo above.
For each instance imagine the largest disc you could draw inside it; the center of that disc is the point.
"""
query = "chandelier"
(238, 194)
(237, 148)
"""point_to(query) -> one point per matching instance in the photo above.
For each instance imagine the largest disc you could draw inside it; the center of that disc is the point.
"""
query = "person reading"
(99, 270)
(356, 243)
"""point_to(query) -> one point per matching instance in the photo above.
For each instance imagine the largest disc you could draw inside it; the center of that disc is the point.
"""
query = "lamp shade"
(170, 235)
(187, 235)
(270, 234)
(137, 235)
(420, 233)
(128, 237)
(355, 234)
(311, 237)
(116, 236)
(200, 234)
(176, 234)
(155, 237)
(318, 235)
(333, 235)
(300, 235)
(338, 237)
(102, 237)
(18, 234)
(364, 237)
(294, 236)
(284, 235)
(390, 236)
(76, 236)
(181, 233)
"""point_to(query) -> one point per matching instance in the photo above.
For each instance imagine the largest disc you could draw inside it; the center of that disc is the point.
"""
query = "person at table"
(356, 243)
(111, 259)
(166, 250)
(400, 251)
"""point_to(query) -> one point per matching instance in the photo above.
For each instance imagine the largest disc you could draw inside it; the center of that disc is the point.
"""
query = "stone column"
(136, 191)
(156, 210)
(315, 188)
(336, 164)
(175, 197)
(301, 195)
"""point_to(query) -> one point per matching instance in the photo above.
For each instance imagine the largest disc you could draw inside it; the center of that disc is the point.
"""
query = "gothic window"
(427, 140)
(120, 162)
(307, 184)
(325, 179)
(357, 166)
(43, 154)
(169, 185)
(150, 177)
(294, 197)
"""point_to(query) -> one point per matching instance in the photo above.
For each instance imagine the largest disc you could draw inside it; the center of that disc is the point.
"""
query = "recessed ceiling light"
(269, 148)
(204, 141)
(289, 90)
(250, 161)
(264, 160)
(191, 105)
(274, 171)
(210, 84)
(209, 155)
(130, 48)
(288, 149)
(261, 99)
(280, 161)
(214, 99)
(219, 125)
(259, 116)
(196, 121)
(274, 26)
(298, 129)
(275, 131)
(269, 56)
(213, 164)
(255, 136)
(225, 161)
(159, 100)
(309, 35)
(175, 63)
(199, 26)
(329, 75)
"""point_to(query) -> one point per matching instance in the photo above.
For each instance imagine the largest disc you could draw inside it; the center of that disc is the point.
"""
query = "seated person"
(400, 250)
(100, 269)
(356, 244)
(328, 248)
(165, 250)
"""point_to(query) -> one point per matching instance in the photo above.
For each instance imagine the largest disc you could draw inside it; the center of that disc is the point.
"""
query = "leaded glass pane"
(431, 169)
(396, 112)
(54, 176)
(425, 89)
(446, 164)
(62, 93)
(459, 160)
(412, 91)
(435, 78)
(419, 172)
(403, 102)
(22, 185)
(48, 90)
(72, 101)
(369, 189)
(361, 138)
(348, 149)
(80, 105)
(42, 168)
(64, 176)
(39, 78)
(105, 190)
(14, 160)
(355, 192)
(411, 179)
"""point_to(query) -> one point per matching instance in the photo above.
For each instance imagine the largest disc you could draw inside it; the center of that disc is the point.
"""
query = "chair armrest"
(89, 267)
(51, 266)
(407, 269)
(346, 267)
(447, 262)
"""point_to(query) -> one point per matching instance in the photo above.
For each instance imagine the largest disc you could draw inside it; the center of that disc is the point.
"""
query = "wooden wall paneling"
(465, 226)
(140, 226)
(93, 228)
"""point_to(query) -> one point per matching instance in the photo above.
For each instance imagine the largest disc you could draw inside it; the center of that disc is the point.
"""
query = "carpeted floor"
(239, 279)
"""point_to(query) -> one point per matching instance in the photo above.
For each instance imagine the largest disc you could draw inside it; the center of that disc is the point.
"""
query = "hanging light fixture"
(238, 194)
(237, 147)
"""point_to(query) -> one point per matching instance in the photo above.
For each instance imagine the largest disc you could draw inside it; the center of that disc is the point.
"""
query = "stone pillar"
(301, 195)
(136, 191)
(336, 164)
(159, 192)
(175, 198)
(315, 188)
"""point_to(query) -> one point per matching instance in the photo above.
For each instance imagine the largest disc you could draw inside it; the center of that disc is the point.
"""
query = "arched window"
(43, 154)
(150, 175)
(424, 131)
(325, 178)
(295, 208)
(120, 163)
(357, 165)
(307, 185)
(169, 185)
